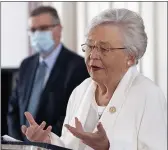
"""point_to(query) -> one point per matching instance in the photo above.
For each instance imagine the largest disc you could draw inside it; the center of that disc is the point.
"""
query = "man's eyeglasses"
(42, 28)
(101, 48)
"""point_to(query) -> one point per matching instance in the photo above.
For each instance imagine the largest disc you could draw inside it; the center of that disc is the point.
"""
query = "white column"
(161, 46)
(148, 60)
(82, 16)
(69, 24)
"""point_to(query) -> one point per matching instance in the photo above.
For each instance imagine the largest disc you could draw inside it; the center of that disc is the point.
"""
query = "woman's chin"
(96, 78)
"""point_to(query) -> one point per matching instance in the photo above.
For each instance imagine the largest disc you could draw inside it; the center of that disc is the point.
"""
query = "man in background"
(47, 78)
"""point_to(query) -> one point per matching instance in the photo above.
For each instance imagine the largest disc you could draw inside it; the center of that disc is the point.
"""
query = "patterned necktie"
(37, 88)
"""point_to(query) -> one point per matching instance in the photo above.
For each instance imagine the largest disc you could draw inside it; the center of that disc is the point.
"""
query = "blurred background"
(75, 16)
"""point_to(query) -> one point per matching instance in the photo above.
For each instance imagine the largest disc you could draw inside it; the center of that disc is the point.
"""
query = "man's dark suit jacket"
(68, 72)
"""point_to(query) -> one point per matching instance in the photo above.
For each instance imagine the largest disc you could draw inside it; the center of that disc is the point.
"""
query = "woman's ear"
(131, 60)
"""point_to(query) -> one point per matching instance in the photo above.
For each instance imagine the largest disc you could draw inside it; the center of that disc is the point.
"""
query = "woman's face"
(101, 64)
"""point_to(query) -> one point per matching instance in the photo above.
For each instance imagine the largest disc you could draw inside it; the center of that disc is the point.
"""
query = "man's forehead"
(42, 19)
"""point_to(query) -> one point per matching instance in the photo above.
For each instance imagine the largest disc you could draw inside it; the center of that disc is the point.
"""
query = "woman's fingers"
(78, 125)
(35, 132)
(30, 119)
(40, 128)
(79, 134)
(49, 129)
(39, 131)
(42, 125)
(46, 133)
(101, 129)
(30, 132)
(24, 129)
(97, 140)
(41, 134)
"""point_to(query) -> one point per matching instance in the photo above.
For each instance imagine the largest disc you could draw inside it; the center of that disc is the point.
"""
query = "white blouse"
(95, 114)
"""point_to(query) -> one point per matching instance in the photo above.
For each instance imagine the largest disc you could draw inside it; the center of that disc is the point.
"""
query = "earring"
(129, 63)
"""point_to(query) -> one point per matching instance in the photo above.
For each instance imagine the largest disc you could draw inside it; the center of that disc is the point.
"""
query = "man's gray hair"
(131, 25)
(44, 10)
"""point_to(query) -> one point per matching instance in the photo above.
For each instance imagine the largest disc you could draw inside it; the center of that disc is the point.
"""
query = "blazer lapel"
(29, 83)
(86, 103)
(82, 114)
(116, 103)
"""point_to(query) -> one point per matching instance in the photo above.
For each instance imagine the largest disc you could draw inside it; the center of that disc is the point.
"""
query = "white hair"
(132, 27)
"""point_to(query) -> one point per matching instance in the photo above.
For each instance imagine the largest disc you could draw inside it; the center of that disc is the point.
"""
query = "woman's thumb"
(24, 129)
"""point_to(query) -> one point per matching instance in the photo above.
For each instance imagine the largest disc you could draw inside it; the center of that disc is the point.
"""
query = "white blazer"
(139, 122)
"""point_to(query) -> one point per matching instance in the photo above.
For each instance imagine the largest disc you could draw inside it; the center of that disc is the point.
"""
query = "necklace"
(101, 110)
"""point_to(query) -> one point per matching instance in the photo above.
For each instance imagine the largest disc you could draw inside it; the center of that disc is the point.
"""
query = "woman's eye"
(103, 49)
(90, 46)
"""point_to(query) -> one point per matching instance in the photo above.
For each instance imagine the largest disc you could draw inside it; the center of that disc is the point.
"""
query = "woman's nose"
(94, 53)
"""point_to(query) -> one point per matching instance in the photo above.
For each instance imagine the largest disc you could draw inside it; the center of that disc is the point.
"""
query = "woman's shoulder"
(144, 92)
(146, 86)
(145, 82)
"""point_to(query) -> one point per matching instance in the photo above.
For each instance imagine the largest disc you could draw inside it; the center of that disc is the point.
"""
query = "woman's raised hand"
(35, 132)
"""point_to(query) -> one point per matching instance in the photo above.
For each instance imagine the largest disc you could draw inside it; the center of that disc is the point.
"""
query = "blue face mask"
(42, 41)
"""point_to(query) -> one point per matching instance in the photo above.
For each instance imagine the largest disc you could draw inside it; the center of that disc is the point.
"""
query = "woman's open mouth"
(95, 68)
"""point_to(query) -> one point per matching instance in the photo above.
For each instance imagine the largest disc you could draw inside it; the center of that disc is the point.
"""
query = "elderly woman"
(117, 108)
